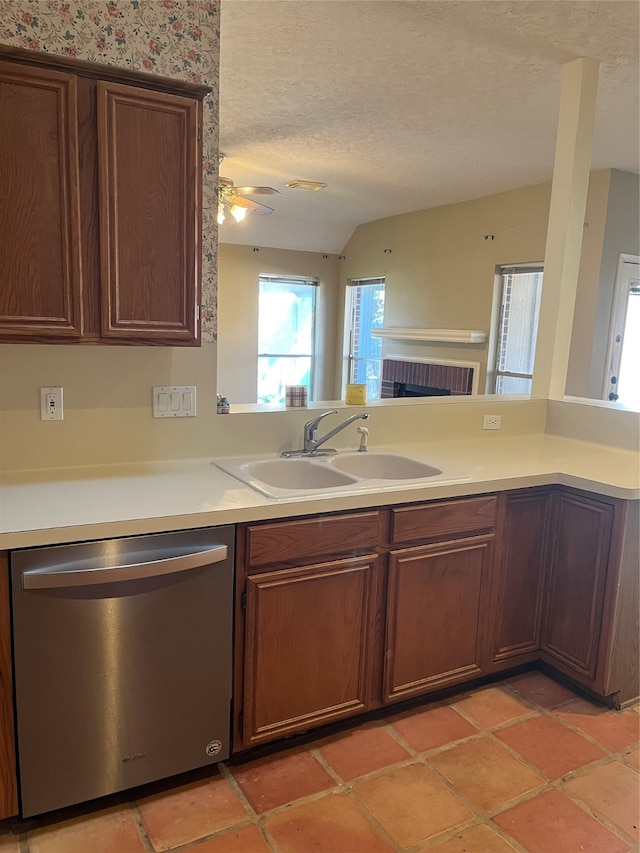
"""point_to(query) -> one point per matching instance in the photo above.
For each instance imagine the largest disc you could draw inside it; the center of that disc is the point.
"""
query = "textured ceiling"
(400, 106)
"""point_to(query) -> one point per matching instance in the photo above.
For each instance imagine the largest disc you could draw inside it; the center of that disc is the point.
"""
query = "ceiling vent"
(307, 186)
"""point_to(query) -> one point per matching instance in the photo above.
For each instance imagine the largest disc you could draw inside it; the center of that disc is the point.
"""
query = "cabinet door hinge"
(241, 722)
(243, 601)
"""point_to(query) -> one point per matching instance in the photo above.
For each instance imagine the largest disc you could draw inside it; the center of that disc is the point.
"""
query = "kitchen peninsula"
(537, 548)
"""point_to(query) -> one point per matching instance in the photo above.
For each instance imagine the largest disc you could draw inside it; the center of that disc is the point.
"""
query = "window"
(520, 292)
(286, 335)
(365, 310)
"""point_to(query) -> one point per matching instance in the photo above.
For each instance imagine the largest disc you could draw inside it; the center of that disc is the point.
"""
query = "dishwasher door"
(123, 652)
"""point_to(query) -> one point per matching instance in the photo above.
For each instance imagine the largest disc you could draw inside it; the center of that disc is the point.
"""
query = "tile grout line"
(257, 819)
(461, 827)
(548, 785)
(142, 829)
(589, 810)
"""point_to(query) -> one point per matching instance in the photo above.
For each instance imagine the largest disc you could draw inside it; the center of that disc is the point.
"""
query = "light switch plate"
(174, 401)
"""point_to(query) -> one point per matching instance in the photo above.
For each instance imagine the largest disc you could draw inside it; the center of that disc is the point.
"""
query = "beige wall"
(238, 270)
(439, 274)
(107, 390)
(440, 271)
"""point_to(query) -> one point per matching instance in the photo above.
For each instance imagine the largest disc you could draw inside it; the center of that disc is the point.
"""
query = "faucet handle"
(313, 423)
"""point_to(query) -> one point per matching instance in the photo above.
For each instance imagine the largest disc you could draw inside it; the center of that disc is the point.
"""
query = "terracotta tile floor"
(521, 766)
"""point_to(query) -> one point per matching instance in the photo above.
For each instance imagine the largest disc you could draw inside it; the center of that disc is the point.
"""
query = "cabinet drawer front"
(310, 539)
(433, 521)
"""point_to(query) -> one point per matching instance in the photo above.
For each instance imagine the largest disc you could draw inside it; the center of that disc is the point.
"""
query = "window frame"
(299, 280)
(349, 335)
(498, 339)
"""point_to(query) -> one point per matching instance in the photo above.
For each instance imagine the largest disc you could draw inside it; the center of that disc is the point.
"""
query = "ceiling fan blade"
(256, 191)
(253, 206)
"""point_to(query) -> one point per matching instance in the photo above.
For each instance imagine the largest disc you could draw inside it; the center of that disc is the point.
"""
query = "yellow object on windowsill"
(356, 394)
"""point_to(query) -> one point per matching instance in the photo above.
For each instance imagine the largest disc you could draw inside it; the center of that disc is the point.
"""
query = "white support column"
(566, 222)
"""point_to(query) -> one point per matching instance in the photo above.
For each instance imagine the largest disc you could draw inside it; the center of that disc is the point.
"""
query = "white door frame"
(616, 326)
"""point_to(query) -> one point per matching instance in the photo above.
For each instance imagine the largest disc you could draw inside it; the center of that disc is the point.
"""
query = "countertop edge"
(271, 509)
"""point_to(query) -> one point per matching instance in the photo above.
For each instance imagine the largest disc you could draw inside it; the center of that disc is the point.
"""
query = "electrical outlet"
(491, 421)
(51, 404)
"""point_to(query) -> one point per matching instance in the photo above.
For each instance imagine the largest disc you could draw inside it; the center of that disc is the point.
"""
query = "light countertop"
(73, 504)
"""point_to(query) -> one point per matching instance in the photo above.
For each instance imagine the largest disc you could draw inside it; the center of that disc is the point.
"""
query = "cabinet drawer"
(311, 538)
(433, 521)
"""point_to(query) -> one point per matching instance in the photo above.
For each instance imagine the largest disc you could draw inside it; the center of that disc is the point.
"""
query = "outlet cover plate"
(491, 421)
(51, 404)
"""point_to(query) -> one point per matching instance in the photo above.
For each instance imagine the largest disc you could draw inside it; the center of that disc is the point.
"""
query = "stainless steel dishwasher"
(122, 655)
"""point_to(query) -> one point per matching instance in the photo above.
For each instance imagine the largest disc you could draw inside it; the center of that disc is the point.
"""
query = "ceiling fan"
(233, 198)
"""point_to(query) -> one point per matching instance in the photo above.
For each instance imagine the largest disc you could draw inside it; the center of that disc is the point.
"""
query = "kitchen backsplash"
(174, 38)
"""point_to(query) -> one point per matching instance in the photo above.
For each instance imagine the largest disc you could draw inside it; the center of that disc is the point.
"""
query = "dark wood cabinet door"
(8, 779)
(40, 270)
(519, 579)
(436, 615)
(308, 643)
(149, 154)
(576, 583)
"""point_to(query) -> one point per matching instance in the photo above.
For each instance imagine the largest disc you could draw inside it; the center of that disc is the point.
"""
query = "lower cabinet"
(516, 599)
(397, 608)
(576, 582)
(340, 614)
(436, 615)
(308, 642)
(8, 779)
(308, 623)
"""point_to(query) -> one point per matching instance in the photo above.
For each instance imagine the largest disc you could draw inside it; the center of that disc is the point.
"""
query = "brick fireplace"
(425, 378)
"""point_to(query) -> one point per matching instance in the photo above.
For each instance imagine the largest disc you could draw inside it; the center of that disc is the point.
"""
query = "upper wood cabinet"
(40, 262)
(100, 222)
(149, 161)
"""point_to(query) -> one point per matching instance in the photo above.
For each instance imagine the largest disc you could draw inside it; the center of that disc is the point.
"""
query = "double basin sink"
(308, 476)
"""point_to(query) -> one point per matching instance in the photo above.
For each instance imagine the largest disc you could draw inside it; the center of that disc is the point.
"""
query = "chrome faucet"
(311, 441)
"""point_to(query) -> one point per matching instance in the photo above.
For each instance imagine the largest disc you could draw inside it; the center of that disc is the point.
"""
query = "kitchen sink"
(383, 466)
(297, 478)
(297, 474)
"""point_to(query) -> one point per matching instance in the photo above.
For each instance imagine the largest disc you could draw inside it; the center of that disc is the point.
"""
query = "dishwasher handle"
(55, 579)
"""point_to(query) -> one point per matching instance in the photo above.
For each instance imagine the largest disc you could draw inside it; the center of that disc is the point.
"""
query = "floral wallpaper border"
(174, 38)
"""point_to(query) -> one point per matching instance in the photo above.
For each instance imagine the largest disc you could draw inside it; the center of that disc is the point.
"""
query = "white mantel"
(452, 336)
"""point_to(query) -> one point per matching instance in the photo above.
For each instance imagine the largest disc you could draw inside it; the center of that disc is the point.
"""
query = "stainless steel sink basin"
(297, 478)
(297, 474)
(384, 466)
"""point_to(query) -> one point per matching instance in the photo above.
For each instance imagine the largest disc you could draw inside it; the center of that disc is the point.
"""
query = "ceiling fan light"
(237, 212)
(220, 214)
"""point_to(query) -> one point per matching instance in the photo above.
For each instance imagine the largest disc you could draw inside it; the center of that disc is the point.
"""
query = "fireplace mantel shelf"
(452, 336)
